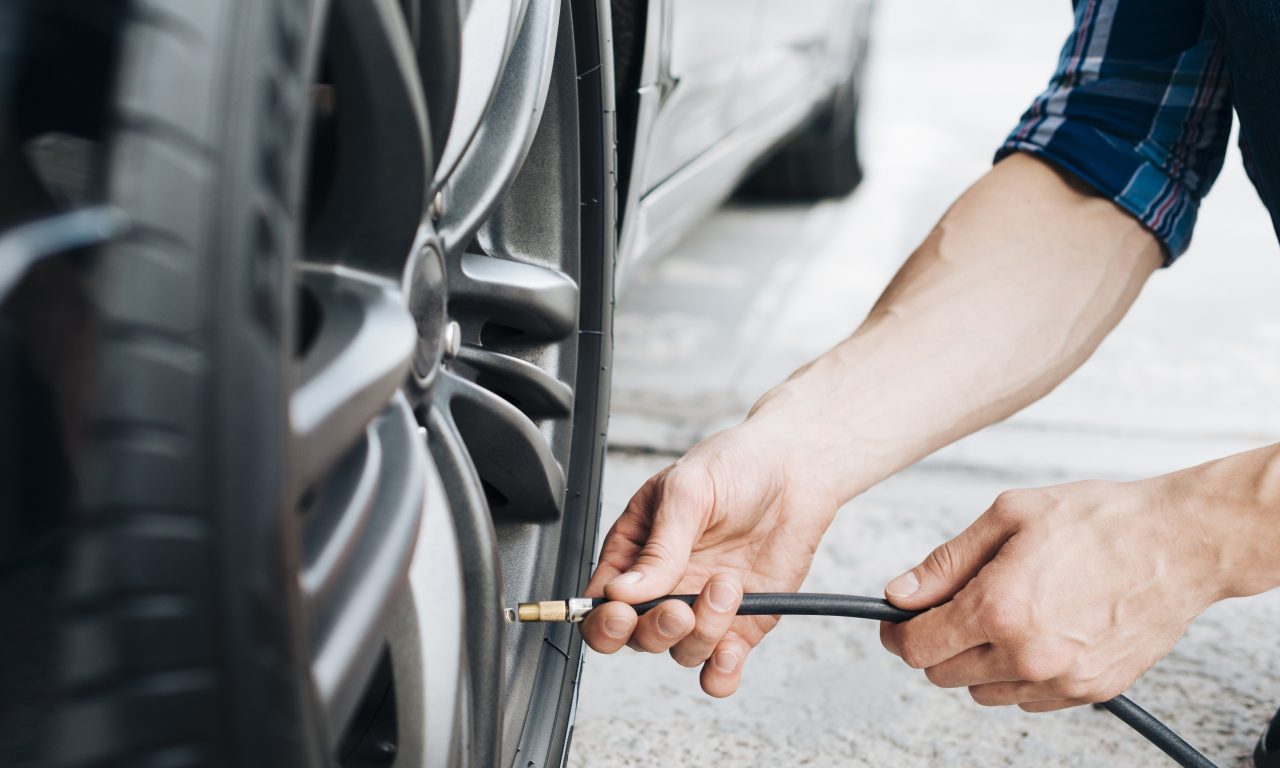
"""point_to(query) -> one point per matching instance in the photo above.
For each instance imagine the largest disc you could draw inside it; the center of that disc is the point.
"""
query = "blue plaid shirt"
(1139, 108)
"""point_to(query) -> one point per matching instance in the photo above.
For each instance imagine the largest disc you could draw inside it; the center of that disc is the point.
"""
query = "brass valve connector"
(572, 610)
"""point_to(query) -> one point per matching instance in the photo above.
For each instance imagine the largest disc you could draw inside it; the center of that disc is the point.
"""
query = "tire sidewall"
(241, 64)
(257, 237)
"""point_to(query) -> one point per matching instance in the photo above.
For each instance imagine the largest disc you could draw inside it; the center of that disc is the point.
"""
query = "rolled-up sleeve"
(1139, 108)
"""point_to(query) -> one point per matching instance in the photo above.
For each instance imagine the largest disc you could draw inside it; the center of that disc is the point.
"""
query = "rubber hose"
(859, 607)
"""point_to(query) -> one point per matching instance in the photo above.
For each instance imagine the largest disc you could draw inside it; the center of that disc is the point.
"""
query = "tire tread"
(139, 669)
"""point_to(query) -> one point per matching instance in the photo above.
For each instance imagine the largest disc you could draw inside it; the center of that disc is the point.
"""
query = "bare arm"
(1012, 291)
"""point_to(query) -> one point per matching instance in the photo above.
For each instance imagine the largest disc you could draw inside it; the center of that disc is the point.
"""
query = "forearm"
(1012, 291)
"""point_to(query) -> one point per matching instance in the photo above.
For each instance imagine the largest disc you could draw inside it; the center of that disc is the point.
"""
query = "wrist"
(808, 423)
(1234, 506)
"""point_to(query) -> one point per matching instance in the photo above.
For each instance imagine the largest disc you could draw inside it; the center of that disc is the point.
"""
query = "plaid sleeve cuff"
(1139, 108)
(1119, 173)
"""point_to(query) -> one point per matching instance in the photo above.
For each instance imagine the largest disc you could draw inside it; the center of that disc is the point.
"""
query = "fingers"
(607, 628)
(1032, 697)
(625, 538)
(1004, 694)
(652, 541)
(976, 666)
(934, 636)
(691, 634)
(714, 612)
(661, 628)
(1053, 705)
(949, 568)
(722, 672)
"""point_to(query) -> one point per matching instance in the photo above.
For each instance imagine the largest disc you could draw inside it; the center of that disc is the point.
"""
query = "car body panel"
(705, 43)
(722, 84)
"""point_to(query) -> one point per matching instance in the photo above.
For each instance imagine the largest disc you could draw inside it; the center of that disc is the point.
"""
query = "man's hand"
(736, 514)
(1065, 595)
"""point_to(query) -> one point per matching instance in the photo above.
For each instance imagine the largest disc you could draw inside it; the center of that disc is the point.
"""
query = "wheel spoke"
(436, 29)
(534, 391)
(350, 620)
(372, 157)
(496, 154)
(486, 36)
(482, 579)
(430, 632)
(362, 351)
(522, 478)
(537, 301)
(412, 10)
(331, 532)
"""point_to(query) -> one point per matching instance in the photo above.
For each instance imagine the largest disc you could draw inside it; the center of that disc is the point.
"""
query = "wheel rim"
(438, 352)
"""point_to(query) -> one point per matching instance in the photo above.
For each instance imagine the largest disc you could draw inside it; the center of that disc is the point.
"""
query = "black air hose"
(858, 607)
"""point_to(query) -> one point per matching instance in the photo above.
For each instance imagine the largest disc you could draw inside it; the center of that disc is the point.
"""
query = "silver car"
(307, 328)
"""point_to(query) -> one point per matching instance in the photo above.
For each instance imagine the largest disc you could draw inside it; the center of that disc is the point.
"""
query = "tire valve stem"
(573, 610)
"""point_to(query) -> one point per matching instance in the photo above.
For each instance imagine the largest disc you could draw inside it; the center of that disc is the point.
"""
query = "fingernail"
(616, 627)
(722, 596)
(725, 661)
(630, 577)
(903, 586)
(670, 625)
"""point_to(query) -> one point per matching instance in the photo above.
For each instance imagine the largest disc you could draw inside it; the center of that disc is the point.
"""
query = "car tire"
(179, 639)
(186, 637)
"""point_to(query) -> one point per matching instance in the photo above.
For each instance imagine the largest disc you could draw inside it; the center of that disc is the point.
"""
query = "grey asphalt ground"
(1191, 374)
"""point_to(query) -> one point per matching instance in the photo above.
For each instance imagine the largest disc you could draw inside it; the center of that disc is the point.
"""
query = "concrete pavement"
(1192, 373)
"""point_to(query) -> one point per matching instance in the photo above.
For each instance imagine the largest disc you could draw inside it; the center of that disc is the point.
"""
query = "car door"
(706, 43)
(791, 49)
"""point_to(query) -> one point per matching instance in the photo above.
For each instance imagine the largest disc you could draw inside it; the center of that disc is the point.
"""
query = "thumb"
(948, 568)
(659, 567)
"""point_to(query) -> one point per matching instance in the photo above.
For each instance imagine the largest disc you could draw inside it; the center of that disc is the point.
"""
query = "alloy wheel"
(452, 331)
